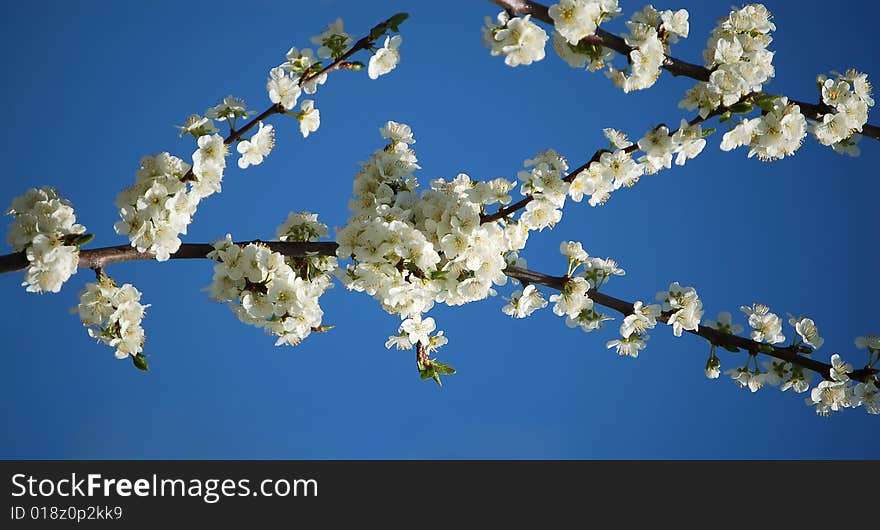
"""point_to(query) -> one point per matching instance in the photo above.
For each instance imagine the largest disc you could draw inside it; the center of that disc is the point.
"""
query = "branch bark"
(674, 66)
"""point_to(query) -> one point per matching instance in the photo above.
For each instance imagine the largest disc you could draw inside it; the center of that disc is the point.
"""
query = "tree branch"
(520, 204)
(674, 66)
(787, 353)
(100, 257)
(276, 108)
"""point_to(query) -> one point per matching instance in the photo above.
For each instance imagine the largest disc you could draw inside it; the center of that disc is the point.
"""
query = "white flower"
(211, 150)
(197, 126)
(259, 146)
(520, 40)
(828, 397)
(687, 307)
(839, 369)
(798, 380)
(309, 118)
(675, 23)
(302, 226)
(417, 329)
(866, 394)
(401, 342)
(229, 108)
(574, 251)
(525, 302)
(745, 378)
(766, 326)
(688, 141)
(618, 139)
(573, 299)
(641, 319)
(629, 346)
(658, 147)
(398, 133)
(575, 19)
(386, 58)
(647, 55)
(599, 270)
(807, 330)
(282, 88)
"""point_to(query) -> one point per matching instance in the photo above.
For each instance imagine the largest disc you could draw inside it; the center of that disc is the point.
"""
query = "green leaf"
(140, 362)
(443, 368)
(437, 379)
(395, 21)
(724, 117)
(765, 101)
(733, 349)
(707, 132)
(427, 373)
(741, 108)
(77, 240)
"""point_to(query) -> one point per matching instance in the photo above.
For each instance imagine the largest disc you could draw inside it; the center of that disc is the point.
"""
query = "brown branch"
(277, 108)
(100, 257)
(787, 353)
(520, 204)
(674, 66)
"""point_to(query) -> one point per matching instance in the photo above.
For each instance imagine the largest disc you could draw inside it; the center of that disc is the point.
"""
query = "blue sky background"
(94, 86)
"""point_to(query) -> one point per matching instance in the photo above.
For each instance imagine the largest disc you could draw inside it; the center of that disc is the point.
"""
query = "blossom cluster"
(284, 88)
(766, 328)
(849, 95)
(617, 168)
(584, 273)
(836, 392)
(113, 315)
(412, 250)
(45, 229)
(684, 306)
(573, 301)
(831, 395)
(265, 289)
(738, 57)
(545, 183)
(777, 133)
(159, 206)
(649, 36)
(633, 330)
(576, 19)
